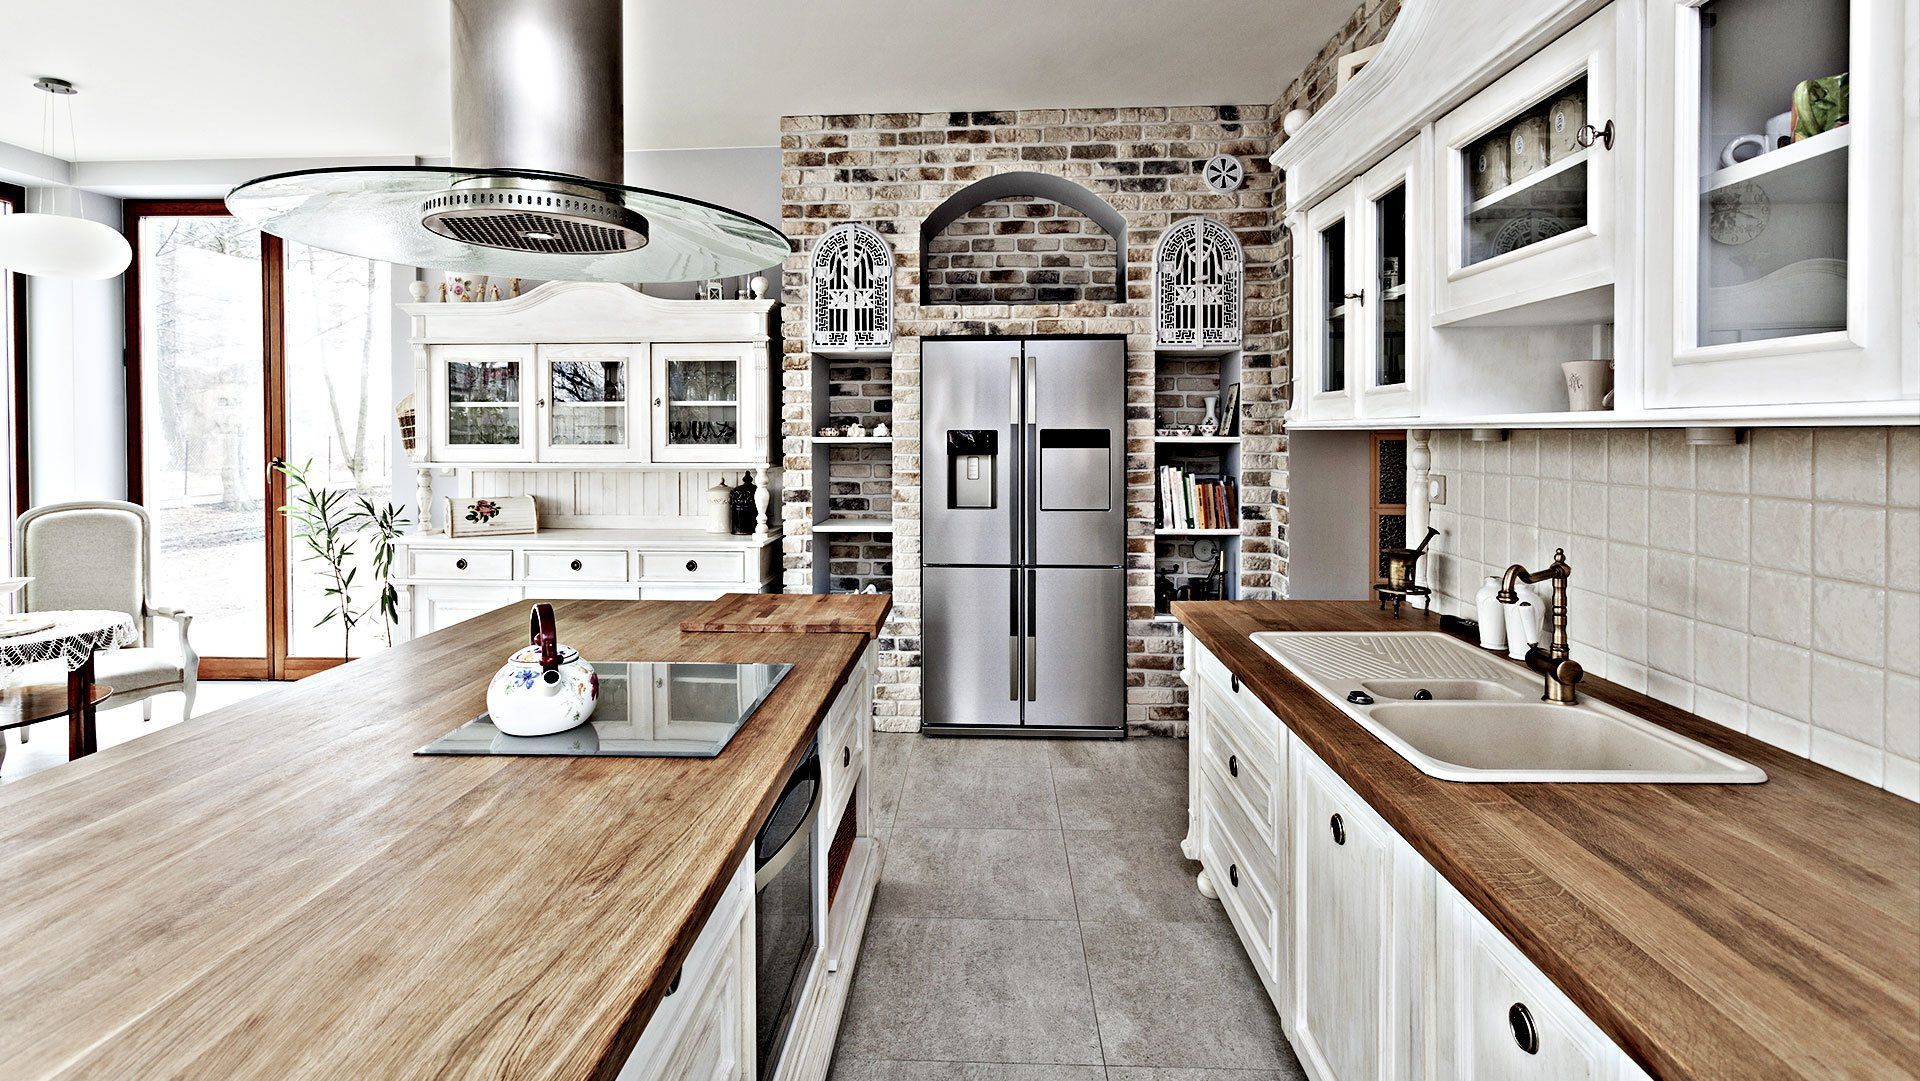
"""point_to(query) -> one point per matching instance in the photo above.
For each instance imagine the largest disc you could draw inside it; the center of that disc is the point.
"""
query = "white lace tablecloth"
(74, 637)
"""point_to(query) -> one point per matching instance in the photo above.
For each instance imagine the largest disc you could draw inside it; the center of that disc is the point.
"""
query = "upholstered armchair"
(99, 555)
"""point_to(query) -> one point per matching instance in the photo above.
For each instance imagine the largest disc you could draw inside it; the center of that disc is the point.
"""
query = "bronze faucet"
(1554, 662)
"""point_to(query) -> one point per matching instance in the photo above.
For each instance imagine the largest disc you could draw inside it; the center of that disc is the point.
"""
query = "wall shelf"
(854, 525)
(1197, 440)
(851, 440)
(1500, 195)
(1806, 150)
(1162, 532)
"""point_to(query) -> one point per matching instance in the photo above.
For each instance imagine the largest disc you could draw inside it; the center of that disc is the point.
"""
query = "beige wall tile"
(1850, 464)
(1670, 459)
(1850, 542)
(1720, 526)
(1849, 699)
(1848, 621)
(1903, 715)
(1903, 631)
(1720, 593)
(1627, 456)
(1857, 760)
(1721, 469)
(1782, 678)
(1783, 462)
(1903, 467)
(1720, 659)
(1780, 606)
(1781, 731)
(1903, 546)
(1670, 520)
(1555, 453)
(1783, 535)
(1627, 513)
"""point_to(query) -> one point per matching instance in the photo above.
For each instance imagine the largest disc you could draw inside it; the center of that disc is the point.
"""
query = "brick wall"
(1020, 250)
(892, 171)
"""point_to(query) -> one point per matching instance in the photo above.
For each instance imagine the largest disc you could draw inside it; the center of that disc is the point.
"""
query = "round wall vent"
(1224, 173)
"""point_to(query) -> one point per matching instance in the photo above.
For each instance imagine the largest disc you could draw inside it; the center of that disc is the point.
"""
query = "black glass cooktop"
(647, 709)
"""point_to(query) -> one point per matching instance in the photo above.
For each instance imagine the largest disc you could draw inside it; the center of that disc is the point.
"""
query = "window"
(244, 349)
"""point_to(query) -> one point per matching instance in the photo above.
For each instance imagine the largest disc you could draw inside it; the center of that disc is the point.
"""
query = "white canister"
(1523, 625)
(1492, 615)
(1564, 121)
(1527, 148)
(719, 509)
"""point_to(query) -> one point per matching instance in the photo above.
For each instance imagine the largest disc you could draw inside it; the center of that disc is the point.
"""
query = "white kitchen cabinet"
(445, 605)
(710, 403)
(1496, 1017)
(703, 1030)
(1530, 172)
(1773, 260)
(1353, 1016)
(1325, 293)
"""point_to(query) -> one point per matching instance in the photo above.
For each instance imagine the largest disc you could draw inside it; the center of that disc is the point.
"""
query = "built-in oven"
(784, 894)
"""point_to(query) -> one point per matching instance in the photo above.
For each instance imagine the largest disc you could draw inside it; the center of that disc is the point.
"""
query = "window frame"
(13, 368)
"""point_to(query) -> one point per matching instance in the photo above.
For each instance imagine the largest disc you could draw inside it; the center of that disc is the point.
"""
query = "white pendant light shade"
(57, 246)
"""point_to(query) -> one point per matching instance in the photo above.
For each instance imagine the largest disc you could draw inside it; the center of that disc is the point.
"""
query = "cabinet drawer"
(699, 1030)
(1241, 874)
(570, 566)
(491, 564)
(1246, 769)
(693, 566)
(843, 735)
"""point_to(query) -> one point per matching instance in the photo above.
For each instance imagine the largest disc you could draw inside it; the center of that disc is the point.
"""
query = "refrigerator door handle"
(1030, 450)
(1013, 639)
(1016, 452)
(1033, 647)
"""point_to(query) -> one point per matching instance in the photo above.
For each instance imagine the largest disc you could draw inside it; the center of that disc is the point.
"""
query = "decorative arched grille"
(850, 279)
(1198, 279)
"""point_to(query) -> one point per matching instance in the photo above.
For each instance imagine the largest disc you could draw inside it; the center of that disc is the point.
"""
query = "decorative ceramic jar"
(1211, 422)
(745, 511)
(1527, 148)
(1487, 167)
(720, 508)
(544, 687)
(1564, 121)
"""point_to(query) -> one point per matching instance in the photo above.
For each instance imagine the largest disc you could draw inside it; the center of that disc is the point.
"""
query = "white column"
(761, 497)
(1419, 468)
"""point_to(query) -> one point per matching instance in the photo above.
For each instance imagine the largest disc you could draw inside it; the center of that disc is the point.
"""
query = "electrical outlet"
(1436, 490)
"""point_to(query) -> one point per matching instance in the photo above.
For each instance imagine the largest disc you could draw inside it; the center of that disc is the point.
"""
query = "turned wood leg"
(82, 737)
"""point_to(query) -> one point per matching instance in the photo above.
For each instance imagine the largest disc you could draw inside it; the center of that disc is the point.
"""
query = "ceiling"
(192, 79)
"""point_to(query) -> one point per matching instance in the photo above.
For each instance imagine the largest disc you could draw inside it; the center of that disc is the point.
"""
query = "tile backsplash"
(1772, 586)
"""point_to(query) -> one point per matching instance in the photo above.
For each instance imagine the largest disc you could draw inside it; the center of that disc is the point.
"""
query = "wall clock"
(1737, 213)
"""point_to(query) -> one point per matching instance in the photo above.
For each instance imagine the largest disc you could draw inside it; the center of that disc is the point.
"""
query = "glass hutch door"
(482, 399)
(699, 414)
(585, 403)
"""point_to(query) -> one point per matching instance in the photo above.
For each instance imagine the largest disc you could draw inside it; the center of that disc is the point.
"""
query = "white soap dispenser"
(1491, 613)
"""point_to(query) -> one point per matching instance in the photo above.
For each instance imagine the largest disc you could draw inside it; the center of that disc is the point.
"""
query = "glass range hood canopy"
(377, 212)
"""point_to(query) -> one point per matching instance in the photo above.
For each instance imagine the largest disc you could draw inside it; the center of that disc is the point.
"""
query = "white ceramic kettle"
(544, 687)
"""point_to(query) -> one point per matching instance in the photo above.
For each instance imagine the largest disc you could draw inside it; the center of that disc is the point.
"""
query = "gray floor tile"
(899, 1070)
(1151, 753)
(1121, 798)
(888, 765)
(1181, 994)
(1150, 1073)
(979, 874)
(976, 750)
(1135, 875)
(946, 790)
(971, 991)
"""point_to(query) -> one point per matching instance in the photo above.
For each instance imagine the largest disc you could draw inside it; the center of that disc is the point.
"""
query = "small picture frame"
(491, 516)
(1230, 410)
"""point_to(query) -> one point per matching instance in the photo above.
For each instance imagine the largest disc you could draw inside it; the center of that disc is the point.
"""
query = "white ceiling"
(189, 79)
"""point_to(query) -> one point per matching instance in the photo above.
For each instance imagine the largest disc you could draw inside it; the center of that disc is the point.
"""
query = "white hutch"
(617, 412)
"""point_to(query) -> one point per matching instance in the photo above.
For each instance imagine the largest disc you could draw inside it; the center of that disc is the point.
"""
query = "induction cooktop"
(647, 709)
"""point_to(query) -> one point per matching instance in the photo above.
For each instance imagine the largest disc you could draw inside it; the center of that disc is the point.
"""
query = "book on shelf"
(1194, 500)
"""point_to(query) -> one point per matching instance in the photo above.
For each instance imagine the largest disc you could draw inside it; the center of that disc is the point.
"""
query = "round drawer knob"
(1339, 830)
(1233, 765)
(693, 564)
(846, 757)
(1234, 680)
(674, 984)
(1233, 874)
(460, 564)
(1520, 1020)
(575, 565)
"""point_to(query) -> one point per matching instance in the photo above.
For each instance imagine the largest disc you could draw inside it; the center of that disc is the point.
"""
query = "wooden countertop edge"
(1609, 958)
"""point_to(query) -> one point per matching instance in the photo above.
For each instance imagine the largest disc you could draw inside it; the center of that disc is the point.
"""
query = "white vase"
(1211, 424)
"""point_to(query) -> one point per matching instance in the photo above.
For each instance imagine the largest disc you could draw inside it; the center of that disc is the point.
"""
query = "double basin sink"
(1461, 715)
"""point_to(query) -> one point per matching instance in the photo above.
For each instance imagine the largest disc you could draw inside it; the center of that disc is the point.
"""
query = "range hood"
(533, 191)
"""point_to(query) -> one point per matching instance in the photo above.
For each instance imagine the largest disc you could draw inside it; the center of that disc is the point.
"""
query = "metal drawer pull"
(693, 564)
(1520, 1020)
(846, 757)
(674, 984)
(1233, 874)
(1234, 681)
(575, 565)
(460, 564)
(1339, 830)
(1233, 765)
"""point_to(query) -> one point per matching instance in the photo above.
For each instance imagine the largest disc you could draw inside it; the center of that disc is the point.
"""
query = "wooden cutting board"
(794, 613)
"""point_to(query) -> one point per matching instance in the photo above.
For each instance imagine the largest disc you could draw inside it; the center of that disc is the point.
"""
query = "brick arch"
(1034, 185)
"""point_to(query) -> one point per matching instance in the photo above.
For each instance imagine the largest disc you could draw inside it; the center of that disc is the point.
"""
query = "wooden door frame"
(15, 363)
(277, 664)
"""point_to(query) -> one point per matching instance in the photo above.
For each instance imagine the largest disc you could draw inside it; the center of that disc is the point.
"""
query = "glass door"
(584, 403)
(244, 350)
(1334, 307)
(697, 403)
(483, 396)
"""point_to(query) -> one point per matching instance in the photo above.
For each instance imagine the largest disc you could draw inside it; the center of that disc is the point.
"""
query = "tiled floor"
(48, 746)
(1036, 922)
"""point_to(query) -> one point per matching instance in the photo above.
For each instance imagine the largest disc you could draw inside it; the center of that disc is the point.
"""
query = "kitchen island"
(1525, 929)
(283, 889)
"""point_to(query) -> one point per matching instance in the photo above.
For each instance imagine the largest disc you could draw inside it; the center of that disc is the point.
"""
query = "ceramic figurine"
(880, 430)
(857, 430)
(544, 687)
(745, 511)
(758, 285)
(513, 287)
(443, 292)
(418, 291)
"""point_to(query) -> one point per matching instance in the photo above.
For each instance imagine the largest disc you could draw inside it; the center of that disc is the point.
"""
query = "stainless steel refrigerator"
(1023, 536)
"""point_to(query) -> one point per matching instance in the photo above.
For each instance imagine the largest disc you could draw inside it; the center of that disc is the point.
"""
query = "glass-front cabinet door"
(584, 402)
(1529, 181)
(703, 405)
(1391, 312)
(1774, 266)
(482, 403)
(1332, 306)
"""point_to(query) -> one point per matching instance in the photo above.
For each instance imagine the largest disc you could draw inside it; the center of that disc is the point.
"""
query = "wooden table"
(282, 889)
(1713, 931)
(31, 704)
(73, 639)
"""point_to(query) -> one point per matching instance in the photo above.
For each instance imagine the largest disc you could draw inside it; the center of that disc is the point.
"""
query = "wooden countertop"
(1714, 931)
(593, 537)
(282, 889)
(797, 613)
